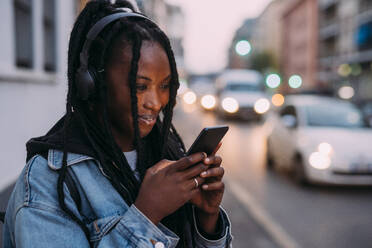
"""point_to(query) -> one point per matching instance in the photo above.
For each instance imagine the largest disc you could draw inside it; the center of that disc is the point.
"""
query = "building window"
(365, 5)
(363, 36)
(23, 33)
(49, 35)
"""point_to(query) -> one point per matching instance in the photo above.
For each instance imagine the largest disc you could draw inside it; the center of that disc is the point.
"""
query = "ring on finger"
(196, 183)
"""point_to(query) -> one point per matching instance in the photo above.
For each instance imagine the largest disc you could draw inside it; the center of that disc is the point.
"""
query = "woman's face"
(152, 86)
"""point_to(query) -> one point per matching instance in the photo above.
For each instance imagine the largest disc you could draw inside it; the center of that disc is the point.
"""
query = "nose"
(152, 101)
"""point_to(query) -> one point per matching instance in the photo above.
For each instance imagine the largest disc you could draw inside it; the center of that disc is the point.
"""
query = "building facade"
(345, 45)
(33, 65)
(268, 31)
(244, 32)
(300, 43)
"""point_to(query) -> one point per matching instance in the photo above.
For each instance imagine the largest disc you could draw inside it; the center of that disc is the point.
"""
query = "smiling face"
(152, 86)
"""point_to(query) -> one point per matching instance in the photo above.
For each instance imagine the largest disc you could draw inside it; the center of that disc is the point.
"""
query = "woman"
(112, 172)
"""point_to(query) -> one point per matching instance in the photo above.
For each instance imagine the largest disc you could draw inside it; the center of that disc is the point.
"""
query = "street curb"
(277, 232)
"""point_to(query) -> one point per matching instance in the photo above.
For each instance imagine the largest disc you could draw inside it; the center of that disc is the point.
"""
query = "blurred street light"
(356, 70)
(346, 92)
(189, 97)
(243, 47)
(295, 81)
(277, 100)
(273, 81)
(344, 70)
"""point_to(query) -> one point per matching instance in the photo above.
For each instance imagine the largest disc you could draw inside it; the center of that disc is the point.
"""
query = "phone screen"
(208, 140)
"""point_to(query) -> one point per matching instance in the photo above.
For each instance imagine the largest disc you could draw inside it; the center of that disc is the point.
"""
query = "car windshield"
(242, 87)
(335, 115)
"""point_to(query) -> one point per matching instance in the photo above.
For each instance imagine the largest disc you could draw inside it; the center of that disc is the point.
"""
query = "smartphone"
(208, 140)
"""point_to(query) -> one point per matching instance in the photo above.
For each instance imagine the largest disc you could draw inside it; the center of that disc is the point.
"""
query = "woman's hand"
(208, 199)
(168, 185)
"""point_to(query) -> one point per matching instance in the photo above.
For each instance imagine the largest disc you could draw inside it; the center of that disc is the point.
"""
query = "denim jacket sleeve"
(39, 227)
(34, 218)
(223, 242)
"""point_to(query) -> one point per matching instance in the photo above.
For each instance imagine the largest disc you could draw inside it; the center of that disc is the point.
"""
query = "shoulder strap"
(2, 216)
(73, 190)
(70, 185)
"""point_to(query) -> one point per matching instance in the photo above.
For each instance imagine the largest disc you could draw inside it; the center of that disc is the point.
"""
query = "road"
(295, 216)
(266, 208)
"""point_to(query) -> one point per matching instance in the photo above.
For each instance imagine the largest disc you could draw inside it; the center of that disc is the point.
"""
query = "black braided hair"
(99, 135)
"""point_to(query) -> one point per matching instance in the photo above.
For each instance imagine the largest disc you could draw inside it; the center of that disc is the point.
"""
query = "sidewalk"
(247, 233)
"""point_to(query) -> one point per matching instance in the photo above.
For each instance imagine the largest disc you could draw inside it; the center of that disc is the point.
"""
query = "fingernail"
(204, 173)
(207, 160)
(205, 186)
(205, 155)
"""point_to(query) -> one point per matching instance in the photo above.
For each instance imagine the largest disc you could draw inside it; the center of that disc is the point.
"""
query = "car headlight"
(325, 148)
(321, 159)
(261, 106)
(189, 97)
(208, 102)
(230, 105)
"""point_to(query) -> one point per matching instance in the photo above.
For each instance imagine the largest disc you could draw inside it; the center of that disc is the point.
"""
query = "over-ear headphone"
(86, 77)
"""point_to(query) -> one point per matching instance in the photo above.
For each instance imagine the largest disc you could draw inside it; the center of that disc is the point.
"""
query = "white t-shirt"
(132, 159)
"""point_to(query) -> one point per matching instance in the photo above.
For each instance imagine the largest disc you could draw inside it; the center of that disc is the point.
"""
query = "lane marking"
(275, 230)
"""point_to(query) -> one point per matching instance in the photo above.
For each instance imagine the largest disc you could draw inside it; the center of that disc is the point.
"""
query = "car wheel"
(299, 173)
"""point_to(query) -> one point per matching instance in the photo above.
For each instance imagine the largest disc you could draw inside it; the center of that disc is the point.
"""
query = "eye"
(165, 86)
(141, 87)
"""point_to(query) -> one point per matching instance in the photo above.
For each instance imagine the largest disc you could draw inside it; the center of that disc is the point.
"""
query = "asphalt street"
(266, 208)
(316, 216)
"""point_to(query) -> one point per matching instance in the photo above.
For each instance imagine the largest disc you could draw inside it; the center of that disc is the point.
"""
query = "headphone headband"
(98, 27)
(85, 77)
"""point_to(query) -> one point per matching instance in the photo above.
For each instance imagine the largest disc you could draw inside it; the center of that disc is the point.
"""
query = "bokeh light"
(344, 70)
(261, 105)
(277, 100)
(295, 81)
(356, 70)
(273, 81)
(208, 102)
(346, 92)
(319, 161)
(243, 47)
(325, 148)
(230, 105)
(189, 97)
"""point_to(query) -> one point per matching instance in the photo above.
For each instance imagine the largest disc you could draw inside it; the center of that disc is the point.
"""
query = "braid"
(79, 26)
(136, 46)
(62, 175)
(111, 159)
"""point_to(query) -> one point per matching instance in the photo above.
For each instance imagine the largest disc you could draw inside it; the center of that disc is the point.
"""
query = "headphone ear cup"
(85, 83)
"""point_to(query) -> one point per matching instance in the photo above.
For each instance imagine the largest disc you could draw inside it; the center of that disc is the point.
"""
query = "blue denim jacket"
(35, 219)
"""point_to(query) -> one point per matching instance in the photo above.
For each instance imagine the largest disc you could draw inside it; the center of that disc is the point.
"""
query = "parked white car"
(321, 140)
(241, 94)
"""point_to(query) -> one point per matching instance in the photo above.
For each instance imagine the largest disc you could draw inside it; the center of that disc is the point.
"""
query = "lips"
(147, 119)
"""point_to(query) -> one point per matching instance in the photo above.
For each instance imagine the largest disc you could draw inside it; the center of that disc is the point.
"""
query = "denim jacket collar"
(55, 158)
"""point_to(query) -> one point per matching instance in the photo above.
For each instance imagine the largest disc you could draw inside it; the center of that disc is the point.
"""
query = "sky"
(209, 29)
